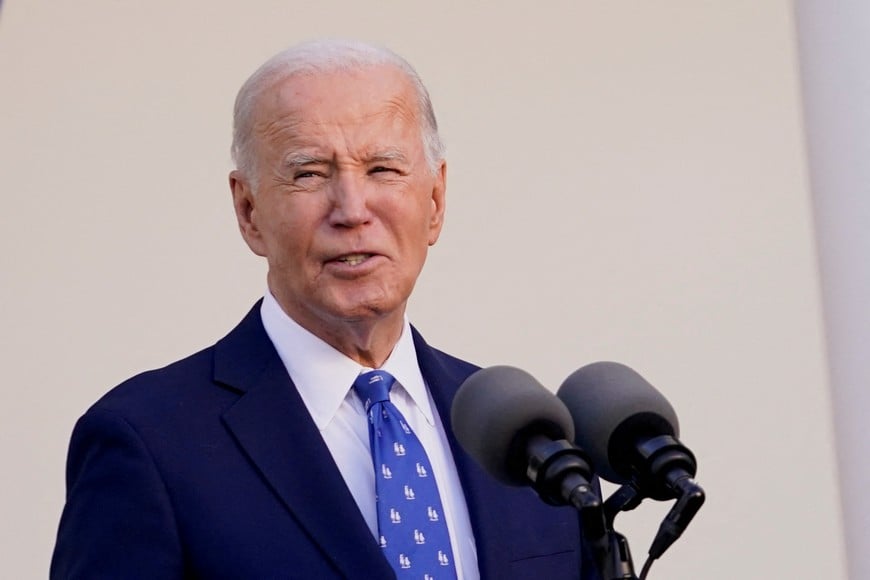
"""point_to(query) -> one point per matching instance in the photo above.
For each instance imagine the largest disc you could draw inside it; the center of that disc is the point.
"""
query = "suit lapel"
(272, 425)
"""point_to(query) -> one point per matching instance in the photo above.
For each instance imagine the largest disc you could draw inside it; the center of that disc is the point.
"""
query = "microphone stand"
(560, 473)
(664, 469)
(612, 553)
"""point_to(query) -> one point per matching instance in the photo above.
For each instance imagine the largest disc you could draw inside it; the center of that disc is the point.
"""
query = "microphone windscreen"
(497, 410)
(613, 408)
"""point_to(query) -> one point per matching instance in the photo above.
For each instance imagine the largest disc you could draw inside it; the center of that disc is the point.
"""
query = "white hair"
(321, 56)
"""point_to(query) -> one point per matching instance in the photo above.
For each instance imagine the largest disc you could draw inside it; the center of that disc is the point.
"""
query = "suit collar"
(323, 375)
(242, 356)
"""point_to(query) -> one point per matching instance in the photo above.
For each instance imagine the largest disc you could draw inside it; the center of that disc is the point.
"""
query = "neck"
(368, 343)
(368, 340)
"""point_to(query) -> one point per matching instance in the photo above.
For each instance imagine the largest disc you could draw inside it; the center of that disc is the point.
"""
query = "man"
(253, 458)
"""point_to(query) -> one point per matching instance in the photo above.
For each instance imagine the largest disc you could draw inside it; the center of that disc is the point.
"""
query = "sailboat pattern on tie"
(411, 532)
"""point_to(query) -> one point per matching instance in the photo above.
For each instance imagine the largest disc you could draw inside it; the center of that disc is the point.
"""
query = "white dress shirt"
(324, 377)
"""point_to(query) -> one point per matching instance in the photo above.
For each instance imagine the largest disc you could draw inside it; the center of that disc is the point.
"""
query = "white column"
(834, 42)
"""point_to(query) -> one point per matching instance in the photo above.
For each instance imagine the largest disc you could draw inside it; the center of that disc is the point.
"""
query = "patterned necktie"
(411, 527)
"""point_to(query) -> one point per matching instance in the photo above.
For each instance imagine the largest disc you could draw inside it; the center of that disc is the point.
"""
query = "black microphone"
(631, 433)
(520, 433)
(625, 424)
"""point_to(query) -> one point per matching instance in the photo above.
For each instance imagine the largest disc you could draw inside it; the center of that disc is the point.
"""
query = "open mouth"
(354, 259)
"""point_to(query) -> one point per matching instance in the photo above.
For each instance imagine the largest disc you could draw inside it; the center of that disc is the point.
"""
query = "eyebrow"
(391, 154)
(301, 159)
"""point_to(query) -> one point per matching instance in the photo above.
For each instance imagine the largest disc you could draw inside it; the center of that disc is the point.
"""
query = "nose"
(350, 201)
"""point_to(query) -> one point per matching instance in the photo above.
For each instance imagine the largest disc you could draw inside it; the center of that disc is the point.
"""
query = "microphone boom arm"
(560, 473)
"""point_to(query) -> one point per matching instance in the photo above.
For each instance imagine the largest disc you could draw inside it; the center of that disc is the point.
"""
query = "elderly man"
(314, 440)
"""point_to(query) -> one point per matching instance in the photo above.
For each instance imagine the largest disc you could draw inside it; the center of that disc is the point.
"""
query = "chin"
(371, 308)
(361, 312)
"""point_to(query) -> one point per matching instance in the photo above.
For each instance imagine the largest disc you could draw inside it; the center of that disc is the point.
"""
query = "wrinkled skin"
(346, 205)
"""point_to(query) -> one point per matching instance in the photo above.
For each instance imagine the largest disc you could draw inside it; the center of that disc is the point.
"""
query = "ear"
(244, 203)
(439, 190)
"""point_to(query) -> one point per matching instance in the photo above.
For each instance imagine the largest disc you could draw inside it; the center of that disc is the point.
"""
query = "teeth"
(354, 259)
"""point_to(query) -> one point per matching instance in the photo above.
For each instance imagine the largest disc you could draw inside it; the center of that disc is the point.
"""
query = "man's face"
(346, 205)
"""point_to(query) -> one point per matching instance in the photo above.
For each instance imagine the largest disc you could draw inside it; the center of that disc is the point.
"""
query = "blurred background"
(675, 185)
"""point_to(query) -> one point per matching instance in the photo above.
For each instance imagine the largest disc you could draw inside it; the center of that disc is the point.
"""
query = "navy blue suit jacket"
(212, 468)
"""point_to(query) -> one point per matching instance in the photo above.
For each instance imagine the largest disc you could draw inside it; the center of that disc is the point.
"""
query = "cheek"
(284, 239)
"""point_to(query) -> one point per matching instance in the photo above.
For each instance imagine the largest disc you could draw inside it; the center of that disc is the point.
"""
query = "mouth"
(353, 259)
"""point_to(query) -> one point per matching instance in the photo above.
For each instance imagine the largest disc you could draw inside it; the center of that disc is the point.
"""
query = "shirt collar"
(324, 376)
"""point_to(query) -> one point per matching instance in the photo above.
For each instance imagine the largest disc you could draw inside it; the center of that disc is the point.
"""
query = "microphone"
(520, 433)
(628, 428)
(631, 433)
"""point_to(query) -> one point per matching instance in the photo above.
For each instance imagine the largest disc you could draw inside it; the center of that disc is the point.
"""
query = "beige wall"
(627, 182)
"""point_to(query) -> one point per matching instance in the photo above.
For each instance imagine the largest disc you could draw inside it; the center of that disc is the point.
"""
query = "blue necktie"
(411, 528)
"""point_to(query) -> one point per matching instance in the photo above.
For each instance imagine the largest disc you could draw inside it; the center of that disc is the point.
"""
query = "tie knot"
(373, 387)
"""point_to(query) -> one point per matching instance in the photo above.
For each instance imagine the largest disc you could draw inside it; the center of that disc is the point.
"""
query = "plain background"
(625, 182)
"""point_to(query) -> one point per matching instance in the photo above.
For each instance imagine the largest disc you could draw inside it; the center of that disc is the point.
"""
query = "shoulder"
(191, 384)
(174, 392)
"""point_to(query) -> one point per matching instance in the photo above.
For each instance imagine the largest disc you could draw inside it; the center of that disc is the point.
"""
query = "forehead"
(344, 100)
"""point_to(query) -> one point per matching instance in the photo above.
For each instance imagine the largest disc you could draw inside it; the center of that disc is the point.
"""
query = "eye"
(306, 175)
(383, 169)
